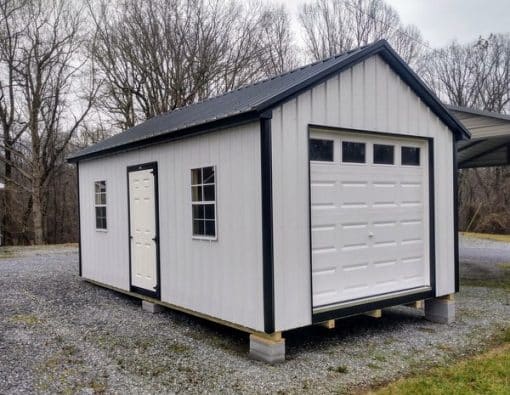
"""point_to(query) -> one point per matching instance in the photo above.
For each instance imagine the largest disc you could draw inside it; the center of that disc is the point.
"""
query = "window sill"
(204, 238)
(102, 230)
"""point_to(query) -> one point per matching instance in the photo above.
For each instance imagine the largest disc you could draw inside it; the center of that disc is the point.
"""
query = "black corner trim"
(432, 215)
(267, 222)
(156, 294)
(456, 217)
(79, 218)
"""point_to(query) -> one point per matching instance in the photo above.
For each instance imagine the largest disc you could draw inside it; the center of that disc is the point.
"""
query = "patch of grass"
(6, 253)
(177, 348)
(504, 266)
(445, 348)
(487, 236)
(338, 369)
(488, 373)
(380, 357)
(25, 319)
(502, 282)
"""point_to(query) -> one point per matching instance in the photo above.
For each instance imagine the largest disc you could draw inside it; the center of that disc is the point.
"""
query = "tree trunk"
(7, 227)
(37, 214)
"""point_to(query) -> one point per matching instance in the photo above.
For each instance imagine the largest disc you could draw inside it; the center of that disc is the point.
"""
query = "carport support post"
(267, 348)
(441, 309)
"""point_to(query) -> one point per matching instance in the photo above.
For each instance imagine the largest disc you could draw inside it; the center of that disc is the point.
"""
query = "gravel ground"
(61, 334)
(483, 259)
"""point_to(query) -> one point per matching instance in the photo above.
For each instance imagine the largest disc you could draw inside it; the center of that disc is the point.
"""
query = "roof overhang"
(490, 138)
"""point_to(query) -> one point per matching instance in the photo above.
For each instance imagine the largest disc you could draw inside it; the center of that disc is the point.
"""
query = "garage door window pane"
(411, 156)
(321, 150)
(353, 152)
(384, 154)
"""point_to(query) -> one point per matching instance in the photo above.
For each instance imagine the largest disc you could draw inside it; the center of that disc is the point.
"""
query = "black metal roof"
(251, 102)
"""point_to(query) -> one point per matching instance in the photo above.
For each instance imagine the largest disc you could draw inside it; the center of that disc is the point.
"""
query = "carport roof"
(490, 138)
(254, 101)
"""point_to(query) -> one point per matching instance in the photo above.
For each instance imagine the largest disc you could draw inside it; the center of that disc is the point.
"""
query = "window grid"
(203, 202)
(100, 204)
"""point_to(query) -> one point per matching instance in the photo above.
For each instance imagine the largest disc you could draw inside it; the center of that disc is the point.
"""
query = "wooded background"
(74, 73)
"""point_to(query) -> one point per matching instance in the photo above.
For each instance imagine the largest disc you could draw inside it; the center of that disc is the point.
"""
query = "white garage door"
(369, 216)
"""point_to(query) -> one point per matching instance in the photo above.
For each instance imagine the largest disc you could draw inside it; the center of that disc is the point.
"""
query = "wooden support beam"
(329, 324)
(450, 297)
(419, 304)
(274, 337)
(374, 313)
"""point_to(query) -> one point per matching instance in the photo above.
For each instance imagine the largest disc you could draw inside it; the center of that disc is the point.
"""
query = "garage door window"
(321, 150)
(353, 152)
(203, 202)
(411, 156)
(384, 154)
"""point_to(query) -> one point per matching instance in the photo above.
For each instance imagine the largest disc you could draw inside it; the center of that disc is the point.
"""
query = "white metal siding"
(220, 278)
(369, 96)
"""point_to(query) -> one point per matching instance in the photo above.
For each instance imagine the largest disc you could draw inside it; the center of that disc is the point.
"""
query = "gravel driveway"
(61, 334)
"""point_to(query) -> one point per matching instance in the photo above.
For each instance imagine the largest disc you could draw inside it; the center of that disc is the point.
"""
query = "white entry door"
(143, 231)
(369, 216)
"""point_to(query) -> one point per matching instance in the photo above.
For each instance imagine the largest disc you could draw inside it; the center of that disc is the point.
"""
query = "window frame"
(329, 140)
(101, 205)
(204, 203)
(394, 148)
(402, 147)
(355, 141)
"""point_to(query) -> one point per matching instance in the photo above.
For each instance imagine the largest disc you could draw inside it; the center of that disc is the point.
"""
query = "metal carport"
(490, 138)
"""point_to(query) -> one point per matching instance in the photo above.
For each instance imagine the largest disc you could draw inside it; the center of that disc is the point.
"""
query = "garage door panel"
(323, 193)
(369, 225)
(324, 236)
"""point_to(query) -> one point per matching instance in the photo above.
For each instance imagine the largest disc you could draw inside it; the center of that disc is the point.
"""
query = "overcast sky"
(441, 21)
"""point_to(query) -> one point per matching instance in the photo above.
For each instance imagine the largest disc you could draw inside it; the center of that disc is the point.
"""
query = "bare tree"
(475, 75)
(11, 31)
(331, 27)
(157, 56)
(278, 51)
(47, 74)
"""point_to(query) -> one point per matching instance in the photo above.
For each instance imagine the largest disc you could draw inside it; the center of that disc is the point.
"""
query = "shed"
(321, 193)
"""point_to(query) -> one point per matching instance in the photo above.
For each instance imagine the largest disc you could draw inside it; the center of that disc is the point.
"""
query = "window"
(353, 152)
(203, 202)
(321, 150)
(411, 156)
(100, 204)
(384, 154)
